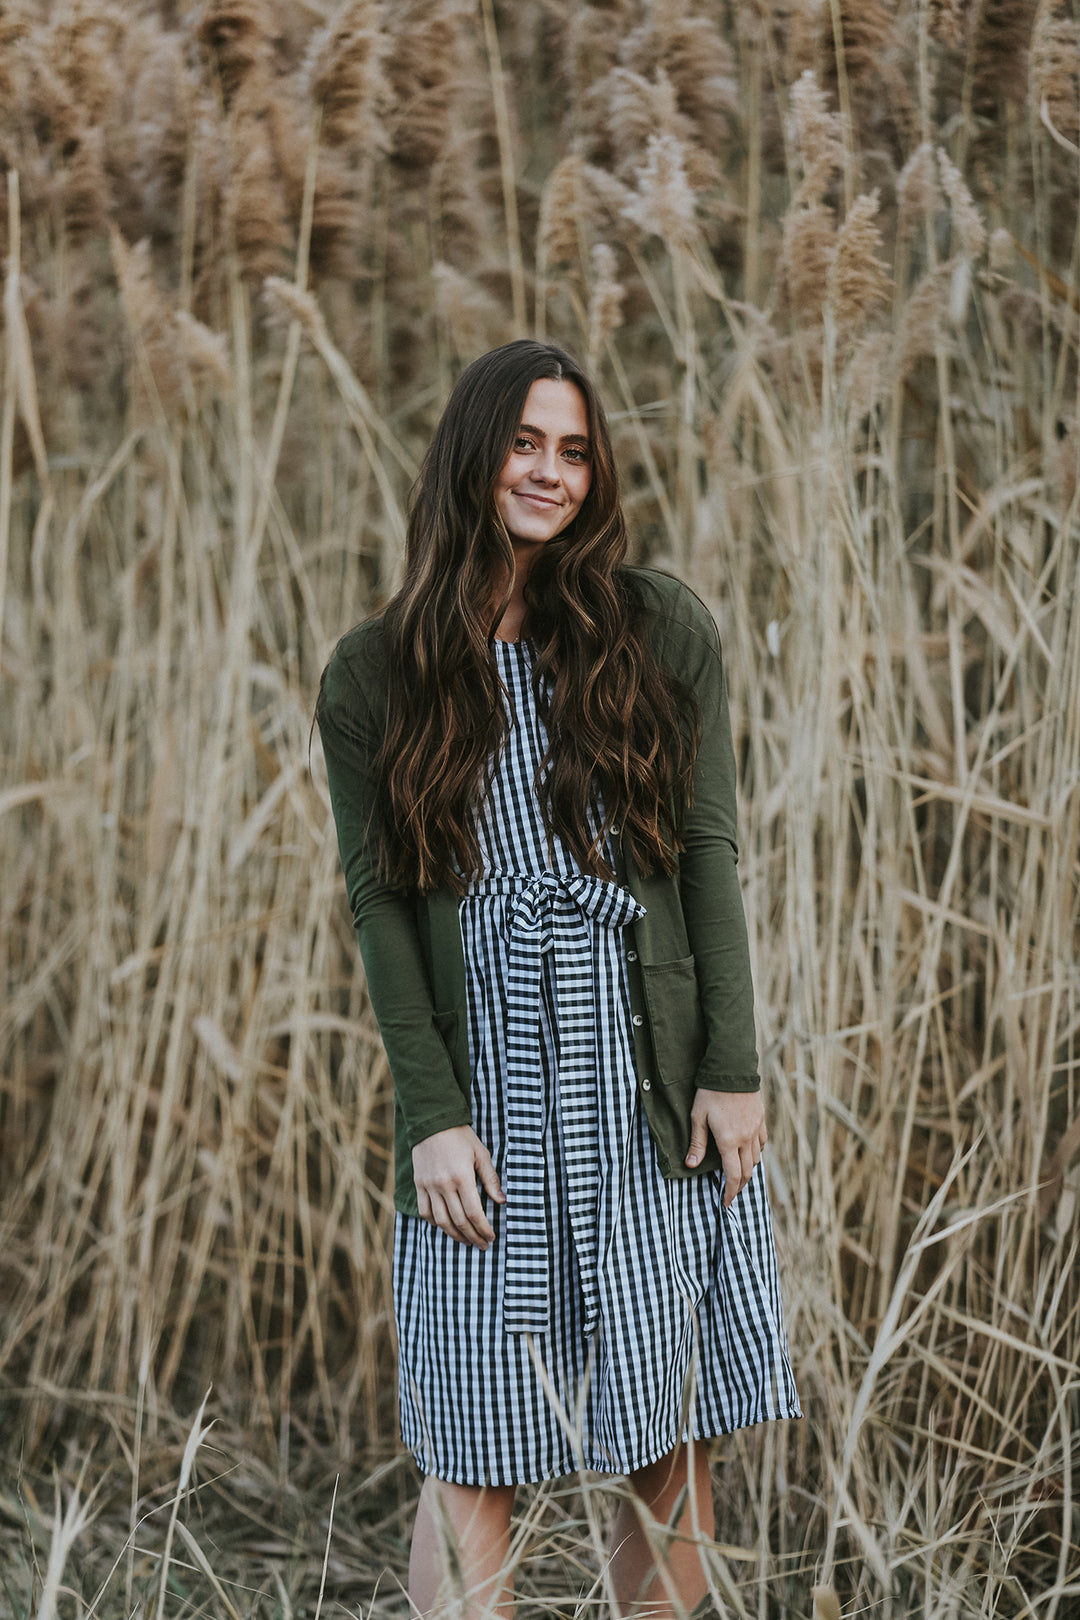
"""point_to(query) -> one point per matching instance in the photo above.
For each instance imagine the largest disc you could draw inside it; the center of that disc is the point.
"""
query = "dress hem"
(498, 1480)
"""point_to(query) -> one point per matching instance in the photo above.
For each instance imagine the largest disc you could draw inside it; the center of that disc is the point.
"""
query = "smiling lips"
(538, 500)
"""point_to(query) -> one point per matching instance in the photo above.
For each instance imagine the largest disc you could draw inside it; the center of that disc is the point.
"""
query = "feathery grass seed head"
(561, 203)
(663, 203)
(817, 136)
(235, 37)
(806, 256)
(950, 22)
(967, 221)
(1053, 66)
(424, 73)
(605, 303)
(922, 330)
(256, 205)
(858, 280)
(917, 191)
(342, 74)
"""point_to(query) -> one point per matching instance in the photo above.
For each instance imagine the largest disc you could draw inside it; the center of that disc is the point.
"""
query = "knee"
(480, 1513)
(658, 1485)
(660, 1478)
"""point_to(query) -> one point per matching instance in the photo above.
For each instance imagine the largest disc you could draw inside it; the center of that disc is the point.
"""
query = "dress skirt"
(616, 1312)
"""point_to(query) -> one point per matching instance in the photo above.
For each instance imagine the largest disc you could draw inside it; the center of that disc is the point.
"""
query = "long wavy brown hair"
(622, 737)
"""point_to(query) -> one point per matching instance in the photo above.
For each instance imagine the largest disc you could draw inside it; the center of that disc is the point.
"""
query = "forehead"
(557, 407)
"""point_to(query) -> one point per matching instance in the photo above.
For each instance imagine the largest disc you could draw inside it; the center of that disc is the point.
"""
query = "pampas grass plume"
(422, 68)
(858, 280)
(817, 135)
(342, 74)
(692, 55)
(149, 319)
(335, 221)
(471, 317)
(950, 22)
(635, 106)
(560, 213)
(868, 373)
(255, 202)
(86, 50)
(605, 304)
(205, 352)
(234, 34)
(663, 203)
(1053, 66)
(164, 110)
(967, 221)
(85, 193)
(917, 191)
(921, 329)
(806, 254)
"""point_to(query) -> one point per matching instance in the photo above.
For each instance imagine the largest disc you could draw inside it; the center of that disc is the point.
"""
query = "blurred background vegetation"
(823, 258)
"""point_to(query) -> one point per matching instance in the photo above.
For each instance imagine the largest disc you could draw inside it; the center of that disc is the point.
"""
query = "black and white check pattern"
(616, 1312)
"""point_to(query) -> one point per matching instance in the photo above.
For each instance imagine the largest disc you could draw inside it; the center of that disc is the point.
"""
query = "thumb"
(489, 1179)
(699, 1135)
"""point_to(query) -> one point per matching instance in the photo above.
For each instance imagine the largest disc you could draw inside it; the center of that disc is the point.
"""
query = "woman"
(532, 776)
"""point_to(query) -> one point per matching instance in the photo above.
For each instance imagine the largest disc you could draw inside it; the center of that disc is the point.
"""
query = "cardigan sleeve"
(708, 881)
(428, 1095)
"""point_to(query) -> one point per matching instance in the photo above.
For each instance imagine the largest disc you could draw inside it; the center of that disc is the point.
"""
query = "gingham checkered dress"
(616, 1312)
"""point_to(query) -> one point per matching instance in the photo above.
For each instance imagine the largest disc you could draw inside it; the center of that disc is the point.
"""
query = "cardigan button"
(646, 1084)
(638, 1020)
(631, 956)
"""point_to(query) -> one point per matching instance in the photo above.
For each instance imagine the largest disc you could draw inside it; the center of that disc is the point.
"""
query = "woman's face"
(547, 474)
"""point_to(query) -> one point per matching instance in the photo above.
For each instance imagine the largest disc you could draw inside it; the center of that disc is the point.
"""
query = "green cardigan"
(687, 958)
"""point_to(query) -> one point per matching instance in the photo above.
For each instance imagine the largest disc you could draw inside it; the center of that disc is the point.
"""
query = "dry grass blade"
(326, 1554)
(194, 1441)
(68, 1524)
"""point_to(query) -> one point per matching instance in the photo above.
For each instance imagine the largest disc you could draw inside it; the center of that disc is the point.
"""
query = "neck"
(512, 623)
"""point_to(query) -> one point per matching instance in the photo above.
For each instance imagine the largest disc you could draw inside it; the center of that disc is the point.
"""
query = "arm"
(728, 1102)
(447, 1155)
(428, 1092)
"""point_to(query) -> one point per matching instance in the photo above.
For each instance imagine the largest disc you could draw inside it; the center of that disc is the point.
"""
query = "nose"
(545, 468)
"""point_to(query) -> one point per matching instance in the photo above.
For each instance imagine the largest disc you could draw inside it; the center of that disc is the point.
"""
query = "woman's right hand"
(445, 1169)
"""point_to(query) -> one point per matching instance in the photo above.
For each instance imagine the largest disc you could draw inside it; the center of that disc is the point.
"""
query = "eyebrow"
(567, 438)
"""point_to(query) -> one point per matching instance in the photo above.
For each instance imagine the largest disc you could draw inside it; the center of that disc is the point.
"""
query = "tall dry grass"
(824, 259)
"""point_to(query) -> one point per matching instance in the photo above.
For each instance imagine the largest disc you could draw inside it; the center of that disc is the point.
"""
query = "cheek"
(583, 486)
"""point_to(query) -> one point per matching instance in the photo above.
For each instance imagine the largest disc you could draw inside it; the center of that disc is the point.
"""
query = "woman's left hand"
(736, 1120)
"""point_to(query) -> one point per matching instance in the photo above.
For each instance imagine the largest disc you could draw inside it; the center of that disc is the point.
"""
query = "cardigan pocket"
(676, 1021)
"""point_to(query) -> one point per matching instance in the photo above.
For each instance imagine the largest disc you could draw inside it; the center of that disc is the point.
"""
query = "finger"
(464, 1215)
(489, 1177)
(699, 1135)
(470, 1220)
(423, 1204)
(733, 1175)
(441, 1218)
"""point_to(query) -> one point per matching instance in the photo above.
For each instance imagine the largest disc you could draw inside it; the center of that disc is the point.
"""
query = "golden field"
(823, 258)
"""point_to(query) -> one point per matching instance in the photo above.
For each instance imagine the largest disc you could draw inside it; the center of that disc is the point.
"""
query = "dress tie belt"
(550, 914)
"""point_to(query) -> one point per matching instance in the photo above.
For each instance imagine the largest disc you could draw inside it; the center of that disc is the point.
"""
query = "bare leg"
(638, 1585)
(476, 1522)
